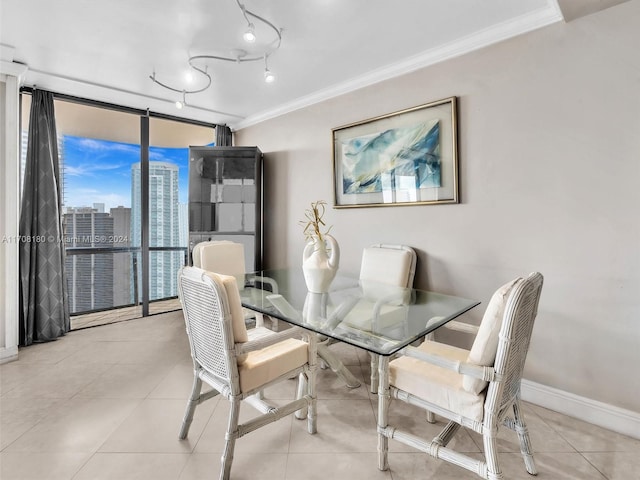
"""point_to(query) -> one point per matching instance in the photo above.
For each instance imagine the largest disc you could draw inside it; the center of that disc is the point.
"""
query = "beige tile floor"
(106, 403)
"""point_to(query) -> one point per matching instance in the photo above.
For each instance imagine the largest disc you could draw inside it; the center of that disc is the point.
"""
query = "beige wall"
(549, 129)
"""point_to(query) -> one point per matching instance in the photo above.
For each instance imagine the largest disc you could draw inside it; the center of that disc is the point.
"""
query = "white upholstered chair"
(393, 265)
(197, 250)
(477, 389)
(382, 266)
(227, 257)
(225, 357)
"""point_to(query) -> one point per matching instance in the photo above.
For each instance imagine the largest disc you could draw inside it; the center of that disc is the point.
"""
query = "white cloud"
(87, 197)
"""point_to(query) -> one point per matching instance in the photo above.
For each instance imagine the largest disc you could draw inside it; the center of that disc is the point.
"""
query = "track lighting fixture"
(250, 35)
(269, 76)
(198, 62)
(181, 103)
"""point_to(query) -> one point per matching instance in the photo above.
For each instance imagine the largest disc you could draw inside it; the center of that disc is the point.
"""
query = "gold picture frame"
(409, 157)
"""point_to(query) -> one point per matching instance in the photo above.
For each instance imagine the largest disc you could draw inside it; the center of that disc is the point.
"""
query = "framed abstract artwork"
(408, 157)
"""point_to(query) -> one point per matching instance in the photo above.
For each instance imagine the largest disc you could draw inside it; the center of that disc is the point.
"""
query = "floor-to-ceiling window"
(124, 179)
(169, 143)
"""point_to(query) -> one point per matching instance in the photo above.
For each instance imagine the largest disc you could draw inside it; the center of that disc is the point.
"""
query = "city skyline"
(101, 183)
(99, 171)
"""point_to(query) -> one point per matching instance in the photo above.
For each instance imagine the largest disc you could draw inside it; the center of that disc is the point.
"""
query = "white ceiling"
(107, 50)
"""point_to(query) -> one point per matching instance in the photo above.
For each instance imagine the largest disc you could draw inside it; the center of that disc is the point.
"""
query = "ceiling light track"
(238, 56)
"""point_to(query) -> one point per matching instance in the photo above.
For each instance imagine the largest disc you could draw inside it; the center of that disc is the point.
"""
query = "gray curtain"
(224, 137)
(44, 311)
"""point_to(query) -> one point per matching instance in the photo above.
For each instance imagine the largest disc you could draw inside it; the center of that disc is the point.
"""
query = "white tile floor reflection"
(106, 403)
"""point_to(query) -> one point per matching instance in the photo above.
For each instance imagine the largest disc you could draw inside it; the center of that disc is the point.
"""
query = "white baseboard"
(8, 354)
(602, 414)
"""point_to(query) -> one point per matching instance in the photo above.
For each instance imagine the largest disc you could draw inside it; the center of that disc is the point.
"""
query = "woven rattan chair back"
(513, 344)
(208, 324)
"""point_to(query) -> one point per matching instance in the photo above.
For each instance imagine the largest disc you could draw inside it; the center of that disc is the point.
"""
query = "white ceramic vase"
(314, 310)
(320, 261)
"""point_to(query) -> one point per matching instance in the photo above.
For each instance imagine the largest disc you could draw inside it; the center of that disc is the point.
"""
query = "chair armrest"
(283, 306)
(340, 312)
(400, 297)
(462, 327)
(266, 281)
(394, 300)
(488, 374)
(267, 340)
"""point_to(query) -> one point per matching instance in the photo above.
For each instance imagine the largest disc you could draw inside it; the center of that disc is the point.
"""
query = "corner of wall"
(9, 207)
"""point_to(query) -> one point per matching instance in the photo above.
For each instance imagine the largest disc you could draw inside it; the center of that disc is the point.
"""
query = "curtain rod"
(119, 108)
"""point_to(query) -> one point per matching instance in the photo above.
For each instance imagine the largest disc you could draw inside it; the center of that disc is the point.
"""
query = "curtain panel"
(44, 310)
(224, 137)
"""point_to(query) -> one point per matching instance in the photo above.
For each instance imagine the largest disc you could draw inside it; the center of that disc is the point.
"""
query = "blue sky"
(99, 171)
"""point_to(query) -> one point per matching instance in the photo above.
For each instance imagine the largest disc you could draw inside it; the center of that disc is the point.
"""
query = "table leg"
(374, 373)
(311, 385)
(303, 388)
(336, 365)
(383, 411)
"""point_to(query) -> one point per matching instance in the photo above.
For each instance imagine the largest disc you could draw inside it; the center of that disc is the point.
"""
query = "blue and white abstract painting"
(369, 161)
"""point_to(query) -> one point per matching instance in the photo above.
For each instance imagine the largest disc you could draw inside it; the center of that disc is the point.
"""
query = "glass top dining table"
(377, 317)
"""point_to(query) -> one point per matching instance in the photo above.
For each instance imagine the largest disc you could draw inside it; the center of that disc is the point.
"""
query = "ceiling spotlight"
(250, 35)
(188, 77)
(269, 76)
(183, 102)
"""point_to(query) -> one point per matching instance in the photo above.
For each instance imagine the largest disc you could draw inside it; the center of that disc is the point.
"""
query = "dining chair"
(383, 266)
(197, 250)
(236, 366)
(477, 389)
(392, 265)
(227, 257)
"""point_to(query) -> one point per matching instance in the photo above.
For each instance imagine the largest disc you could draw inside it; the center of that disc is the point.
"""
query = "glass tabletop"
(374, 316)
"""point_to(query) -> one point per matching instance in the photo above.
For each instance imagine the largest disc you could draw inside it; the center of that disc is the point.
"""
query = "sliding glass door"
(124, 179)
(169, 143)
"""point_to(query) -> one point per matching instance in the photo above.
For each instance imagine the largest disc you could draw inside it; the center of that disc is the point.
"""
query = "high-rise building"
(124, 263)
(164, 225)
(24, 143)
(89, 277)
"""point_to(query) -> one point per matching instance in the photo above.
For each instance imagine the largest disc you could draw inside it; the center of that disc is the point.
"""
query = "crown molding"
(497, 33)
(12, 68)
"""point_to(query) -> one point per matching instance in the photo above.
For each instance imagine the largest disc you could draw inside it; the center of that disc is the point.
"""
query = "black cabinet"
(225, 198)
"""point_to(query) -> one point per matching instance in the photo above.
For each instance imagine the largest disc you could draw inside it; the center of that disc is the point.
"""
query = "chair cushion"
(361, 316)
(269, 363)
(226, 258)
(235, 305)
(390, 294)
(485, 346)
(435, 384)
(197, 250)
(386, 265)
